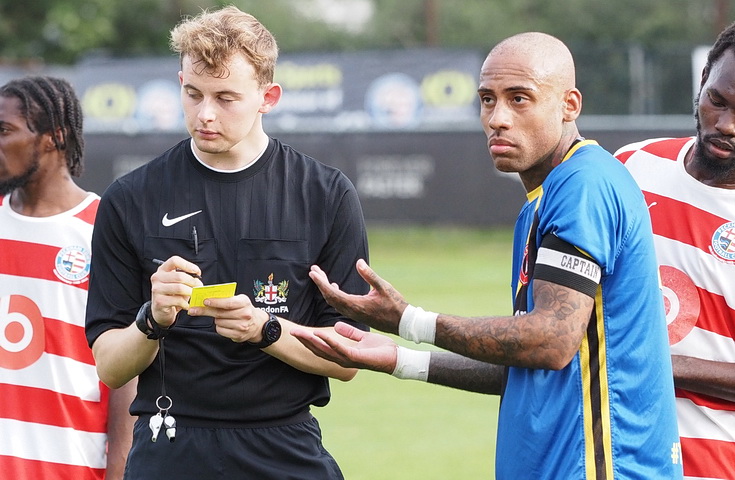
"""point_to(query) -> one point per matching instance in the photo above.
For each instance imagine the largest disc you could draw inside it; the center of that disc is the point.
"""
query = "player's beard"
(20, 181)
(719, 168)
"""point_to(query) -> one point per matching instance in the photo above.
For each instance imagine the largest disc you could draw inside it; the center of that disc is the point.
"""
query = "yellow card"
(220, 290)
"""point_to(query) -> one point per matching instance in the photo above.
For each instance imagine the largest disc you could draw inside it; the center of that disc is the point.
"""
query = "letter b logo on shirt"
(22, 336)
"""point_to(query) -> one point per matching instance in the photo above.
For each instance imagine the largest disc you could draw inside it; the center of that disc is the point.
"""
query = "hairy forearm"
(121, 354)
(712, 378)
(456, 371)
(289, 350)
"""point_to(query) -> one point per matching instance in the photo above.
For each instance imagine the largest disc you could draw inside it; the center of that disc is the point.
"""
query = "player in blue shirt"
(583, 364)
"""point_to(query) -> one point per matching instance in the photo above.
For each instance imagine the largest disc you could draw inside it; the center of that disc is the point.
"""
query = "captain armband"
(412, 364)
(562, 263)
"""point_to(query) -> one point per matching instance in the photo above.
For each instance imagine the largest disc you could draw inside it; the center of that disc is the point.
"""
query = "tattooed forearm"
(547, 337)
(460, 372)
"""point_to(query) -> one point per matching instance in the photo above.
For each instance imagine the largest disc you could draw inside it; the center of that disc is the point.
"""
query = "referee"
(224, 390)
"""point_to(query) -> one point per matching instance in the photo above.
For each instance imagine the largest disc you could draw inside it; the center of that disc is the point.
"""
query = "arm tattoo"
(547, 337)
(460, 372)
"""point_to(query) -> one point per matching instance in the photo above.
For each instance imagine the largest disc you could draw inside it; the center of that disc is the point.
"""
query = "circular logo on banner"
(394, 101)
(72, 265)
(681, 300)
(723, 242)
(22, 334)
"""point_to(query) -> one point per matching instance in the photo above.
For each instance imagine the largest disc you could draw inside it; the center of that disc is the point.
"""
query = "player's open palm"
(350, 347)
(381, 308)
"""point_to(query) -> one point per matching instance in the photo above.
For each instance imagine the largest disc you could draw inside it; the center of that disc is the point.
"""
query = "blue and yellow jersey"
(609, 413)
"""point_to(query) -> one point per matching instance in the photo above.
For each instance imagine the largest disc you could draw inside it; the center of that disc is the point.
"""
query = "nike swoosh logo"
(167, 222)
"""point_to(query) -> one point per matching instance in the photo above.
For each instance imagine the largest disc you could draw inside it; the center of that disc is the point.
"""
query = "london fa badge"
(271, 293)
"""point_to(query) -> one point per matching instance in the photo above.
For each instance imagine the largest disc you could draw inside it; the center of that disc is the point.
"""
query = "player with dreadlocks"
(57, 420)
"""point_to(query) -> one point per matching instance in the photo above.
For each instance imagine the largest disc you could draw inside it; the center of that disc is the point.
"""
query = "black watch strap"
(271, 332)
(145, 323)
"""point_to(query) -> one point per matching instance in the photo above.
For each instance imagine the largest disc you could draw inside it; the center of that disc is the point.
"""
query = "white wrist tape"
(412, 364)
(417, 325)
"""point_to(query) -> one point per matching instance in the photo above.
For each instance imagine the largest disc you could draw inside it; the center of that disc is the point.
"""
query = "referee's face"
(223, 110)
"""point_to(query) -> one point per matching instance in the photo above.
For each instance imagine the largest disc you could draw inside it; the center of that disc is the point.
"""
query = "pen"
(158, 261)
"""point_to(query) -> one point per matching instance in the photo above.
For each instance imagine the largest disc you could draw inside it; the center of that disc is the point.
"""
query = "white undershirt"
(219, 170)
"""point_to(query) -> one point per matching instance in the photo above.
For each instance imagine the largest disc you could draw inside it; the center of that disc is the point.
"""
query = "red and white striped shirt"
(694, 230)
(53, 407)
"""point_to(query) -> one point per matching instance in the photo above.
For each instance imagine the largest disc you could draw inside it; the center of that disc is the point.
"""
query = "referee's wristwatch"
(271, 332)
(146, 324)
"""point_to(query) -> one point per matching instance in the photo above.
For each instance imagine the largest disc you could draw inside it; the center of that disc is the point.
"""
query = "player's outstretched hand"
(350, 347)
(381, 308)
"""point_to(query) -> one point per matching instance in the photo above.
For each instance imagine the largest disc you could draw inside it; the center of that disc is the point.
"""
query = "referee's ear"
(271, 96)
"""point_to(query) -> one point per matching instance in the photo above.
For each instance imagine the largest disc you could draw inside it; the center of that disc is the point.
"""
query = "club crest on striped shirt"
(723, 242)
(72, 265)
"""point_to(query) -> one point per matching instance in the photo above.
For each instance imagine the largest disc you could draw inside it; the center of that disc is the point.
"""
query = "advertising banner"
(334, 92)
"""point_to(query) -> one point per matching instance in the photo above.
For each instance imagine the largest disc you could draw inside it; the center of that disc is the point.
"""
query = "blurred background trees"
(62, 31)
(617, 43)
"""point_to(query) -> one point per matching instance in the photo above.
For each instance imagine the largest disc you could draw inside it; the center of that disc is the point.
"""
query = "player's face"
(222, 112)
(19, 147)
(521, 114)
(715, 116)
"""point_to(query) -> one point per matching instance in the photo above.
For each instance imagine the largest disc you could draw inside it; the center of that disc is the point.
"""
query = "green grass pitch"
(379, 427)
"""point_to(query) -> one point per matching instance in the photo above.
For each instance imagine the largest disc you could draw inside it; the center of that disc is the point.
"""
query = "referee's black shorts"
(283, 452)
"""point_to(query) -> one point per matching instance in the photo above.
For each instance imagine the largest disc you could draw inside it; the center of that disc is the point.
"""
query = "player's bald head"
(547, 56)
